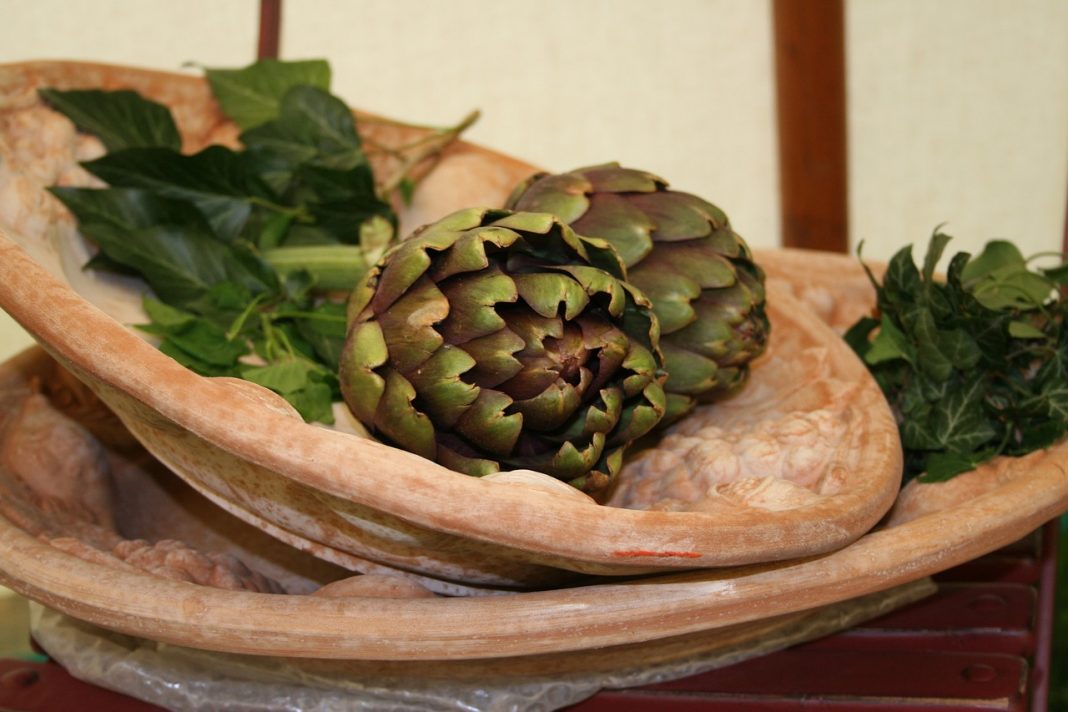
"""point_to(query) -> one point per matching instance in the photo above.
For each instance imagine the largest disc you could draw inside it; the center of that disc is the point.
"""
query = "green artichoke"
(680, 250)
(496, 340)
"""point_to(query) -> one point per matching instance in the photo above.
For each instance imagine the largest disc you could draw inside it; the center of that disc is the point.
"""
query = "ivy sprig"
(249, 253)
(974, 365)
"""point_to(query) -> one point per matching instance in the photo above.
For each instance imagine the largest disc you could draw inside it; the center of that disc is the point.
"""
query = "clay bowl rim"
(412, 488)
(405, 484)
(529, 623)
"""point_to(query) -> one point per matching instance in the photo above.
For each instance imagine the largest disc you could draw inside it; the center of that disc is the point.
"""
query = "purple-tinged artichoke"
(497, 340)
(680, 250)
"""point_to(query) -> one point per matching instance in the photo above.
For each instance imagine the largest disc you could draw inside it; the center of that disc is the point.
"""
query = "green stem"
(298, 213)
(239, 323)
(312, 316)
(428, 147)
(331, 266)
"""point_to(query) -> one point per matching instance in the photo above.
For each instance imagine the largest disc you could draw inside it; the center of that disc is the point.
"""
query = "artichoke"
(496, 340)
(680, 250)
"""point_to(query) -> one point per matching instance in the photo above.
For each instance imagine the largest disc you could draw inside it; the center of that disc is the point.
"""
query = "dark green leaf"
(959, 423)
(1023, 330)
(1013, 290)
(890, 343)
(207, 343)
(313, 127)
(987, 373)
(325, 331)
(191, 362)
(251, 96)
(229, 296)
(915, 432)
(1039, 435)
(1058, 275)
(165, 316)
(1057, 399)
(216, 180)
(314, 402)
(997, 257)
(180, 263)
(929, 356)
(859, 334)
(935, 249)
(942, 466)
(959, 347)
(127, 208)
(120, 119)
(281, 377)
(902, 280)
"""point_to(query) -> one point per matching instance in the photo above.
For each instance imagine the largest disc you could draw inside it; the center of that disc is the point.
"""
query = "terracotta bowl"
(817, 454)
(92, 527)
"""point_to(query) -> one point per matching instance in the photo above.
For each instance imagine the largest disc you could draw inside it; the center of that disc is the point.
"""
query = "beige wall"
(958, 114)
(958, 108)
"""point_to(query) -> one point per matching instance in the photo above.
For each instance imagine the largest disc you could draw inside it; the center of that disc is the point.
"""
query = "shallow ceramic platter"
(803, 462)
(83, 512)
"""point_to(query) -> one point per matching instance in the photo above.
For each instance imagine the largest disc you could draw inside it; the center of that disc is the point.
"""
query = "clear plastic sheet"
(180, 678)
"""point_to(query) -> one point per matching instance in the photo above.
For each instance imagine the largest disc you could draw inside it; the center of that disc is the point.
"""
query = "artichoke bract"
(498, 340)
(681, 251)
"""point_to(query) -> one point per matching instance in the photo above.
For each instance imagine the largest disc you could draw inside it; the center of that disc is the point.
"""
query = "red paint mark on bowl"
(643, 552)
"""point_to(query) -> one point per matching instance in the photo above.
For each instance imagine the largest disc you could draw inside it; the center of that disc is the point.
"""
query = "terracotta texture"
(815, 445)
(51, 546)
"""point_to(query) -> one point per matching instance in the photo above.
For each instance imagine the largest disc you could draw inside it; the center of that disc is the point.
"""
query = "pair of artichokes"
(549, 335)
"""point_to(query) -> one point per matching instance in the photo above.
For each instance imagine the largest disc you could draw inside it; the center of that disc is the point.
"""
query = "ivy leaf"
(958, 421)
(194, 341)
(889, 344)
(901, 280)
(179, 262)
(127, 208)
(314, 402)
(120, 119)
(313, 127)
(164, 316)
(199, 229)
(997, 257)
(250, 96)
(941, 466)
(325, 329)
(973, 367)
(935, 248)
(929, 354)
(1056, 397)
(1058, 275)
(1023, 330)
(217, 181)
(281, 377)
(858, 336)
(959, 348)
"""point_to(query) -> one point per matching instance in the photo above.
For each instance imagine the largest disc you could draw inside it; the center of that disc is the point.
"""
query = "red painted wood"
(941, 654)
(888, 674)
(270, 29)
(46, 687)
(810, 81)
(963, 606)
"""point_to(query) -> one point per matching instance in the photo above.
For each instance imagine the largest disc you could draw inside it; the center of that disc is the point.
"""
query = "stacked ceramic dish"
(789, 525)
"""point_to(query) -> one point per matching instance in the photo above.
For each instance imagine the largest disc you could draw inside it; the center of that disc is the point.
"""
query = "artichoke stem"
(338, 267)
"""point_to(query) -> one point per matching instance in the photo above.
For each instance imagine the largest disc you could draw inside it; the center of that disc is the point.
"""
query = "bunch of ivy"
(975, 365)
(242, 249)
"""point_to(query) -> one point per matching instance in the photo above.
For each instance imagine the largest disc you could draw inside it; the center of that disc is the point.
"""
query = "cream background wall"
(958, 113)
(958, 109)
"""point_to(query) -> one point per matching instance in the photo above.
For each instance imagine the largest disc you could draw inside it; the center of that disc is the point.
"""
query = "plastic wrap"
(180, 678)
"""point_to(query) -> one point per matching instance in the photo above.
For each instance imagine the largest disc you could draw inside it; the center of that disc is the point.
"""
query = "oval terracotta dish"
(816, 459)
(61, 547)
